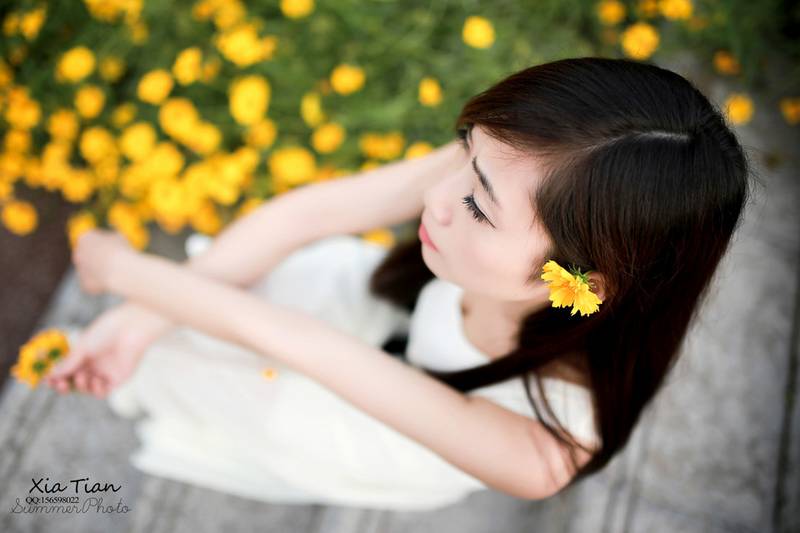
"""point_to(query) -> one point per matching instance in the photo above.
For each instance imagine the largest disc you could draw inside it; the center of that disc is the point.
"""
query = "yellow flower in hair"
(570, 289)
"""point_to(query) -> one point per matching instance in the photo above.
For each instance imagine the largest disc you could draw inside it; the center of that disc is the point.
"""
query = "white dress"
(208, 416)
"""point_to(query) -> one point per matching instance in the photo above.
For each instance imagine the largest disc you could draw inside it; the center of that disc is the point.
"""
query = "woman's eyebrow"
(485, 183)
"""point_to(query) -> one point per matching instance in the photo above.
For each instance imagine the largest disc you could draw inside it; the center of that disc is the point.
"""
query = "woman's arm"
(507, 451)
(390, 194)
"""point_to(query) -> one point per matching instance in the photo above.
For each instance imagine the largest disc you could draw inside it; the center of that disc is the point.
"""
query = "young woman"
(610, 180)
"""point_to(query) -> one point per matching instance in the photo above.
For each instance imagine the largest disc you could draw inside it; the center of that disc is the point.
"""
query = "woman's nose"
(437, 201)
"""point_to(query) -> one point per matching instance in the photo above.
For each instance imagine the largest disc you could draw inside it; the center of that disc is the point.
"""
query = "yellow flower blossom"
(311, 109)
(123, 114)
(155, 86)
(739, 108)
(429, 92)
(75, 65)
(31, 22)
(229, 13)
(382, 237)
(249, 99)
(347, 79)
(241, 45)
(248, 206)
(22, 111)
(11, 24)
(726, 63)
(570, 289)
(261, 134)
(647, 9)
(206, 219)
(210, 69)
(78, 186)
(292, 165)
(178, 117)
(188, 66)
(6, 75)
(96, 143)
(675, 9)
(77, 224)
(376, 146)
(112, 68)
(89, 101)
(18, 141)
(790, 109)
(639, 40)
(295, 9)
(137, 141)
(418, 149)
(610, 12)
(327, 138)
(478, 32)
(19, 217)
(38, 356)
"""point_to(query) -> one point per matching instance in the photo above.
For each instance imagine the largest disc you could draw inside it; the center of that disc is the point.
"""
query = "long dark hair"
(645, 184)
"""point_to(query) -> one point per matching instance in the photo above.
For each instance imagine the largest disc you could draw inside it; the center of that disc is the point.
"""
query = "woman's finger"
(80, 379)
(96, 384)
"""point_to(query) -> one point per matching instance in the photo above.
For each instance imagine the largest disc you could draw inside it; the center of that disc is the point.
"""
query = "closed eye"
(469, 201)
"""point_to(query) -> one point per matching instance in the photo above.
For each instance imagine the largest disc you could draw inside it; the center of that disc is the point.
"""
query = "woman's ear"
(597, 284)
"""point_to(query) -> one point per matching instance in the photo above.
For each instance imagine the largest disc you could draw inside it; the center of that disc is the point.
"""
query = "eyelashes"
(469, 201)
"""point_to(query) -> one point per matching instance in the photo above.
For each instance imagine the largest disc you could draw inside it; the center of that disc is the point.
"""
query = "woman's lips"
(424, 237)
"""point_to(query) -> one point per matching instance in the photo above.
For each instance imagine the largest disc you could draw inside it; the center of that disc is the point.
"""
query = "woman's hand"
(95, 255)
(108, 350)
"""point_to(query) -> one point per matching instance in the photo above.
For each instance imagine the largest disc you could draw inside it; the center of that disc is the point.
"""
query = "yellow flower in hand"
(570, 289)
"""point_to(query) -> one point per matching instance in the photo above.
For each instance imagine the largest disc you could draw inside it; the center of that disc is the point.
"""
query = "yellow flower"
(675, 9)
(269, 374)
(610, 12)
(75, 65)
(206, 219)
(39, 355)
(123, 114)
(378, 146)
(18, 141)
(261, 134)
(347, 79)
(241, 45)
(295, 9)
(6, 75)
(478, 32)
(138, 140)
(640, 40)
(188, 66)
(96, 143)
(19, 217)
(139, 32)
(155, 86)
(229, 13)
(739, 108)
(178, 117)
(726, 63)
(570, 289)
(210, 69)
(22, 111)
(112, 68)
(790, 109)
(418, 149)
(292, 165)
(11, 23)
(381, 236)
(327, 138)
(78, 186)
(31, 22)
(205, 139)
(248, 206)
(430, 92)
(89, 101)
(79, 223)
(311, 109)
(647, 8)
(249, 99)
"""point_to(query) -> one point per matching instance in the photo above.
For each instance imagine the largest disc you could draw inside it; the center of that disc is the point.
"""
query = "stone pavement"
(718, 452)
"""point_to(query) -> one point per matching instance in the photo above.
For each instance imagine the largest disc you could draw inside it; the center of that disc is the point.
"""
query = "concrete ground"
(718, 452)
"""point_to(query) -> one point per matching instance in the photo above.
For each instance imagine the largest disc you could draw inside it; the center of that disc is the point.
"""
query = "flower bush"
(190, 113)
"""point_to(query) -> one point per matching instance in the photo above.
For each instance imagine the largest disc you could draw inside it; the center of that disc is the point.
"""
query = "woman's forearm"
(387, 195)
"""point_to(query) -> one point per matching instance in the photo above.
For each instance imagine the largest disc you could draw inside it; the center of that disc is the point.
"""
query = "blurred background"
(163, 119)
